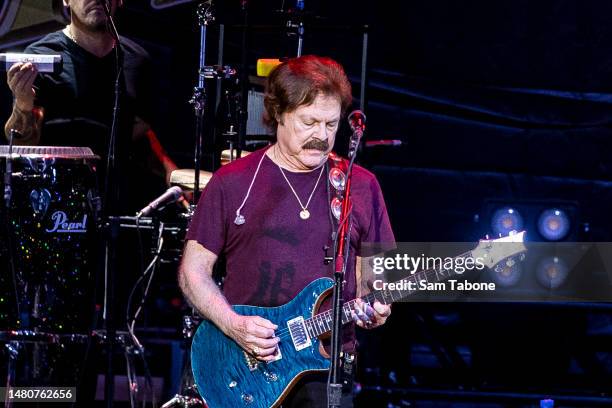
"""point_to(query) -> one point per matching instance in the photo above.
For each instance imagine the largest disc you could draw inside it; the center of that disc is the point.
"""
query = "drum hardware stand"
(198, 100)
(243, 96)
(226, 73)
(230, 137)
(132, 348)
(232, 113)
(131, 351)
(110, 336)
(12, 349)
(298, 25)
(189, 396)
(8, 171)
(112, 233)
(111, 198)
(8, 195)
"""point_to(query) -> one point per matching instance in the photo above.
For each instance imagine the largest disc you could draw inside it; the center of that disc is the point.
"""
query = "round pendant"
(304, 214)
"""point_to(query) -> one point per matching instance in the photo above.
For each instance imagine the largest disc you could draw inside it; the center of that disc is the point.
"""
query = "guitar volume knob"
(232, 384)
(270, 377)
(247, 398)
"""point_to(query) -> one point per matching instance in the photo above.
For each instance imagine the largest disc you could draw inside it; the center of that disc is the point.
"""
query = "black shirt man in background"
(75, 106)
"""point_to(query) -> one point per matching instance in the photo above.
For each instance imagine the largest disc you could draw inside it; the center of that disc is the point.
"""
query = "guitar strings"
(370, 298)
(283, 333)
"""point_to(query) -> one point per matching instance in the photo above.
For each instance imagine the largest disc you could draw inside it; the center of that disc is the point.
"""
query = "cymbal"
(185, 178)
(225, 155)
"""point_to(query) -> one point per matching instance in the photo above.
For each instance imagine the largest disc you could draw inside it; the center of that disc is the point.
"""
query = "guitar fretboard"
(322, 323)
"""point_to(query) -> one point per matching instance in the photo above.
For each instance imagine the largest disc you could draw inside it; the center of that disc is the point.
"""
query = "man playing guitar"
(268, 214)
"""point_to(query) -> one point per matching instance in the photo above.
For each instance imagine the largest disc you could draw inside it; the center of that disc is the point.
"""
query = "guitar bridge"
(251, 361)
(299, 334)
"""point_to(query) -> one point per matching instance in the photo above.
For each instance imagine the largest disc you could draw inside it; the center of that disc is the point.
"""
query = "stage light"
(505, 220)
(553, 224)
(552, 271)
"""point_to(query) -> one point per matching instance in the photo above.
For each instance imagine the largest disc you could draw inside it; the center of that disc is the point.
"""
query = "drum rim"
(48, 152)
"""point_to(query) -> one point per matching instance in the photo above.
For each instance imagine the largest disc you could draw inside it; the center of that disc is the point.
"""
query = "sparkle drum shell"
(49, 228)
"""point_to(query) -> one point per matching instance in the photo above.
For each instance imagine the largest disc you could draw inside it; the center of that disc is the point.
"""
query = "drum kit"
(50, 258)
(49, 255)
(50, 252)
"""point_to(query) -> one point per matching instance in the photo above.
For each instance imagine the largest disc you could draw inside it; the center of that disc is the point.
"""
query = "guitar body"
(226, 376)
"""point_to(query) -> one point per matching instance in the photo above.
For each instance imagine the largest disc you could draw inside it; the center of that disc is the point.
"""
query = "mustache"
(316, 144)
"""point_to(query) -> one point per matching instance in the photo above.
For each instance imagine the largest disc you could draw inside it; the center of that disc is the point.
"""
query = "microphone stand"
(12, 348)
(111, 197)
(298, 26)
(8, 196)
(299, 5)
(8, 172)
(198, 99)
(242, 115)
(334, 391)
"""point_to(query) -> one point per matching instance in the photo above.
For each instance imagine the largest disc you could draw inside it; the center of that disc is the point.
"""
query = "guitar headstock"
(494, 251)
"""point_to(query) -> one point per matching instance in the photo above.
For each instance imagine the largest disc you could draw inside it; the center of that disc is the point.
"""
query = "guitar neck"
(322, 323)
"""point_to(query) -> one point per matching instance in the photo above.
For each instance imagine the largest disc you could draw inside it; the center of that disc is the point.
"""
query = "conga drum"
(48, 240)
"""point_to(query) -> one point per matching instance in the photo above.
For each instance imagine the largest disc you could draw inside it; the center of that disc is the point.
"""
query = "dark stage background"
(496, 103)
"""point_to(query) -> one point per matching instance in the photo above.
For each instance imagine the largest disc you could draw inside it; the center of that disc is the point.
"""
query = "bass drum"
(48, 240)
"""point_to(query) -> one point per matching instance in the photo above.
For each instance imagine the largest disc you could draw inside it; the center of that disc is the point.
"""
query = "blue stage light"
(505, 220)
(552, 271)
(553, 224)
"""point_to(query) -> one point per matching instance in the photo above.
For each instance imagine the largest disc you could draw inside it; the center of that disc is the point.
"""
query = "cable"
(150, 271)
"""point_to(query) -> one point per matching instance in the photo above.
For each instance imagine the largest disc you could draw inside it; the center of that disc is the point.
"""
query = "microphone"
(357, 120)
(171, 195)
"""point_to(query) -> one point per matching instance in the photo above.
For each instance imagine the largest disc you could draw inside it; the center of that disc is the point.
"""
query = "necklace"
(304, 214)
(70, 34)
(68, 31)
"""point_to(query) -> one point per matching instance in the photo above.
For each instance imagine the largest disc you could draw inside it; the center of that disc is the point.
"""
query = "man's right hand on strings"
(255, 335)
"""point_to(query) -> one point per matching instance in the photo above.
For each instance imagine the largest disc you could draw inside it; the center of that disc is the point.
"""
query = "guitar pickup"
(299, 334)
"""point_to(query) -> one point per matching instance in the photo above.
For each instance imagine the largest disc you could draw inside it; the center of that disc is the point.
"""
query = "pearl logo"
(62, 225)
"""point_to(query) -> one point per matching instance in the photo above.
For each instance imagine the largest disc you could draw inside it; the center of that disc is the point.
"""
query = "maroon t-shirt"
(275, 253)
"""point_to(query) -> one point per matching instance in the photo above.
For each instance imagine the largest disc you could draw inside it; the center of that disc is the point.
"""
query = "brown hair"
(299, 81)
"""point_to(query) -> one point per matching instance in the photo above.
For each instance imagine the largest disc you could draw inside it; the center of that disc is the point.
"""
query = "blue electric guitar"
(227, 376)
